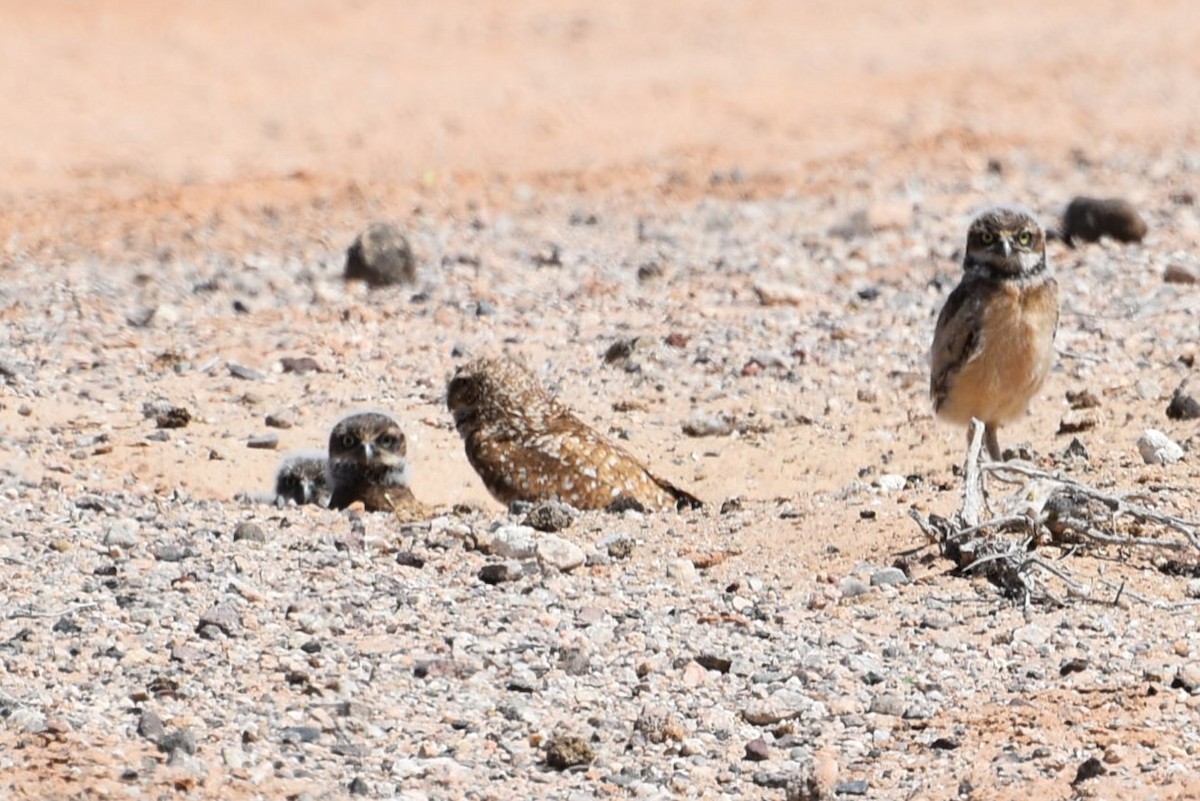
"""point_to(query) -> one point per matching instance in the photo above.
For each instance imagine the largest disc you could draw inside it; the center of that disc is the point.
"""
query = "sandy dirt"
(149, 148)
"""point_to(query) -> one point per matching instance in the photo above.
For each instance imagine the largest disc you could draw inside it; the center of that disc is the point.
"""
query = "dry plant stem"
(1185, 527)
(1085, 529)
(973, 501)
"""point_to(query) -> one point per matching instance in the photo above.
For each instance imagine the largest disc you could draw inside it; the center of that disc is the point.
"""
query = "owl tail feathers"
(683, 498)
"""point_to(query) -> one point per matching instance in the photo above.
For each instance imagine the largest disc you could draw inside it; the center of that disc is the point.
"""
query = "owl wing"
(956, 339)
(568, 461)
(615, 467)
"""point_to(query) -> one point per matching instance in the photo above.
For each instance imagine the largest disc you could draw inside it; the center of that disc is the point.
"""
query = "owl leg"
(992, 442)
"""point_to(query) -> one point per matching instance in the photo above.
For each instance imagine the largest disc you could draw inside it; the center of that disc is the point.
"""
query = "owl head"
(302, 478)
(1007, 240)
(368, 439)
(491, 389)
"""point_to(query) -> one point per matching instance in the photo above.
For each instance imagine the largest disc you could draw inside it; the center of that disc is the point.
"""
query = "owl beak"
(1006, 246)
(306, 492)
(368, 451)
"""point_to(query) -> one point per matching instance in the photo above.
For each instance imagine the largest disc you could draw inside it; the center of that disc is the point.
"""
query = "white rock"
(124, 533)
(1031, 634)
(1157, 448)
(514, 542)
(682, 569)
(558, 553)
(891, 482)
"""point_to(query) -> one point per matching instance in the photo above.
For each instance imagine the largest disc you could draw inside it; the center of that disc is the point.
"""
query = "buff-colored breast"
(1014, 355)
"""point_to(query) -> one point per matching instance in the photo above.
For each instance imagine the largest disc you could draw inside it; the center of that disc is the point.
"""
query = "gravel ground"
(165, 630)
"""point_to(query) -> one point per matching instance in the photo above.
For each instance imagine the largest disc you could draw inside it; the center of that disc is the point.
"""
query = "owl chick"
(367, 463)
(302, 478)
(528, 447)
(994, 341)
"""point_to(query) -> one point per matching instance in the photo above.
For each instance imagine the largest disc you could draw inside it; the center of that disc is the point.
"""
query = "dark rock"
(567, 750)
(1082, 399)
(299, 365)
(1076, 450)
(500, 572)
(1073, 666)
(649, 271)
(550, 517)
(174, 417)
(625, 503)
(757, 750)
(1076, 421)
(619, 546)
(1184, 404)
(1090, 769)
(733, 504)
(713, 662)
(410, 559)
(249, 531)
(521, 684)
(1087, 219)
(358, 786)
(1178, 274)
(381, 256)
(855, 787)
(620, 350)
(266, 442)
(181, 740)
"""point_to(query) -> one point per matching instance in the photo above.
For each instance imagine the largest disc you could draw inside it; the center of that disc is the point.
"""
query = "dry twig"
(1048, 508)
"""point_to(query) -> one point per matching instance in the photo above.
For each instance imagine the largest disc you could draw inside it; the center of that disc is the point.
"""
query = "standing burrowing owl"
(367, 463)
(528, 447)
(302, 477)
(994, 342)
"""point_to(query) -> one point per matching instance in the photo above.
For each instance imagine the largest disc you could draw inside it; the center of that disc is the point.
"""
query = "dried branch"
(1046, 507)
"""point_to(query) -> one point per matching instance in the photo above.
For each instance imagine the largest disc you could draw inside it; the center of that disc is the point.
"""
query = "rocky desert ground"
(763, 205)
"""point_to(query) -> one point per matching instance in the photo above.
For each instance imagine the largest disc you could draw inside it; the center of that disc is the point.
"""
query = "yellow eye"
(1024, 238)
(987, 237)
(349, 440)
(387, 442)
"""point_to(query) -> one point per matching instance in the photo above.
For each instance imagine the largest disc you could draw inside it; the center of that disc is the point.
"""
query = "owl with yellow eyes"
(368, 462)
(994, 342)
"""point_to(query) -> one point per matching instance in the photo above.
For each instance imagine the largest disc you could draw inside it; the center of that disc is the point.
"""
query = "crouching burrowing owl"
(367, 463)
(528, 447)
(302, 478)
(994, 342)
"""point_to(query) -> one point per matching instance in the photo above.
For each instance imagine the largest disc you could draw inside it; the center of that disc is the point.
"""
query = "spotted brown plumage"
(526, 446)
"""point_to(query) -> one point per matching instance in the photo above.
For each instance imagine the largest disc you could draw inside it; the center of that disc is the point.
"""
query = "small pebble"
(1157, 448)
(250, 531)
